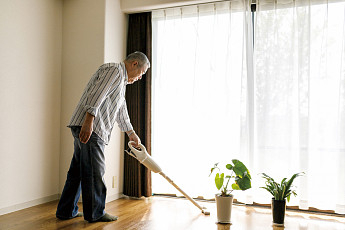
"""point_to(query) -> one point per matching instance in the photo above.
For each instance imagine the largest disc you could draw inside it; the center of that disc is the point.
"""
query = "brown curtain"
(137, 178)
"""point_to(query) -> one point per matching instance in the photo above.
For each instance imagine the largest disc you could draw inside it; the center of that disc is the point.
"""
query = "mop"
(144, 158)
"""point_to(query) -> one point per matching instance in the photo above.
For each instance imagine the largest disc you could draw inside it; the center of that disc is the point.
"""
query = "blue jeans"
(86, 175)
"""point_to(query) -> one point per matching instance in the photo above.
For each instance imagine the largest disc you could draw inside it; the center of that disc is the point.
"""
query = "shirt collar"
(124, 70)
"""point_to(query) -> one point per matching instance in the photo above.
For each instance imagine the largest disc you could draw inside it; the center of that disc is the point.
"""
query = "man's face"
(135, 72)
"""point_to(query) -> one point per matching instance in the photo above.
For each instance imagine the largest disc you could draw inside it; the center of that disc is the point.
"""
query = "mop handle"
(178, 188)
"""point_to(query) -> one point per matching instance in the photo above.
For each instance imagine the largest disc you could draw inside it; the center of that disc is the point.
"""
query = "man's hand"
(134, 137)
(86, 129)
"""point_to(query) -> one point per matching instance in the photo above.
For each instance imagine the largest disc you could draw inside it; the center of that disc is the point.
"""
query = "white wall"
(94, 32)
(82, 53)
(115, 43)
(48, 51)
(30, 76)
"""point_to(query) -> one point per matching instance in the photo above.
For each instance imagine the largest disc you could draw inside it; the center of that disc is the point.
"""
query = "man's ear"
(135, 64)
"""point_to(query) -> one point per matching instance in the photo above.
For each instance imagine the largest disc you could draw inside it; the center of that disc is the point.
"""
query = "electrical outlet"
(114, 182)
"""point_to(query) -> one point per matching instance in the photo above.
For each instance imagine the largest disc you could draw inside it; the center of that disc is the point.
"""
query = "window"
(278, 107)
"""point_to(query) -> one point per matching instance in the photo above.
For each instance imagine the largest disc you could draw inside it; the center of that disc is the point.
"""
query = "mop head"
(205, 211)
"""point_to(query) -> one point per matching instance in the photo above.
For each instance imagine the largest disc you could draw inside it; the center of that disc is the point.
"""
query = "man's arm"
(125, 125)
(87, 128)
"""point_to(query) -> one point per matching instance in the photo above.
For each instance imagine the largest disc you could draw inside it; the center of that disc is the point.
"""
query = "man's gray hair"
(139, 57)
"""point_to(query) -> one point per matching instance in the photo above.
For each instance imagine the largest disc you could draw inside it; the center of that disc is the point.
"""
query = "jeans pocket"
(75, 131)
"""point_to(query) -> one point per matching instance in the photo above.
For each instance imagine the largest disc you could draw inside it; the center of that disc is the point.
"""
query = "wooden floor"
(160, 213)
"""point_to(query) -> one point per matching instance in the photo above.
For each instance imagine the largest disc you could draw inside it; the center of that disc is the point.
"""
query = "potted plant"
(241, 176)
(280, 192)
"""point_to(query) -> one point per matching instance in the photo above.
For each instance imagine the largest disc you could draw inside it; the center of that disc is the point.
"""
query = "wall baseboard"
(28, 204)
(113, 197)
(46, 199)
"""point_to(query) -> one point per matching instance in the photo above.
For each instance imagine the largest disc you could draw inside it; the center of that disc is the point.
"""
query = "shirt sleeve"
(122, 118)
(100, 84)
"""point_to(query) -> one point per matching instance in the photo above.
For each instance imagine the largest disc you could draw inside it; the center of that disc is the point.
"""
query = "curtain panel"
(137, 178)
(267, 88)
(299, 103)
(202, 56)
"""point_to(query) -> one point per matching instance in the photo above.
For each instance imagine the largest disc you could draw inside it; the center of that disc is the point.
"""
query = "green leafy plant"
(242, 177)
(282, 190)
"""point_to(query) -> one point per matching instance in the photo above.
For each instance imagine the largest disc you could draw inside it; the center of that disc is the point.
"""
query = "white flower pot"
(224, 207)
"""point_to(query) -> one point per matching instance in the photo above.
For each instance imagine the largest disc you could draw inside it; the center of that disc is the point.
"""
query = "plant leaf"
(267, 177)
(235, 186)
(243, 183)
(239, 168)
(283, 181)
(229, 166)
(211, 171)
(270, 191)
(289, 183)
(219, 180)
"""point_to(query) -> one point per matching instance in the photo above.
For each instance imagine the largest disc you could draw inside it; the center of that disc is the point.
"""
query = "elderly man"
(102, 103)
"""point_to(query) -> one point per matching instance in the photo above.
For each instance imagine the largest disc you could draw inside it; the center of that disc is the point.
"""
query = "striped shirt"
(104, 98)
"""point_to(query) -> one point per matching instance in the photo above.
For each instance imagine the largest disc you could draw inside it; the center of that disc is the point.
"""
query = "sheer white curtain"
(199, 60)
(280, 111)
(299, 119)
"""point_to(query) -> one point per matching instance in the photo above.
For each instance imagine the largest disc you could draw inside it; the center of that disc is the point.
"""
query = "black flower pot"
(278, 211)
